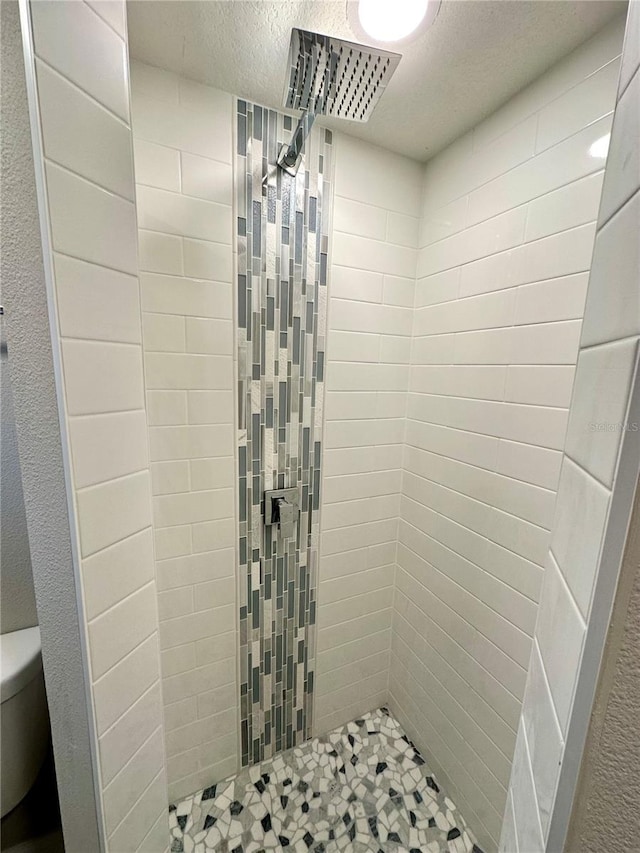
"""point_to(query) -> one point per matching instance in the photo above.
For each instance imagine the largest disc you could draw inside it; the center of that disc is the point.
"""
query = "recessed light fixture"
(391, 20)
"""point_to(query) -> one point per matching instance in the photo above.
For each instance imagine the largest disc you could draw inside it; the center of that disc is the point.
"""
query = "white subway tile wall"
(184, 180)
(584, 523)
(83, 101)
(371, 289)
(508, 221)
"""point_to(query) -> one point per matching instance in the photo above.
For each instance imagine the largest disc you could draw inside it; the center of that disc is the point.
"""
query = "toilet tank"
(24, 723)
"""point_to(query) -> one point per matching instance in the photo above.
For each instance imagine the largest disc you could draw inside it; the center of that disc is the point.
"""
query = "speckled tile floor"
(363, 787)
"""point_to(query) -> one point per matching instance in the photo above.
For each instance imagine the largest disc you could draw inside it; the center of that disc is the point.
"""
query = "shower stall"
(328, 422)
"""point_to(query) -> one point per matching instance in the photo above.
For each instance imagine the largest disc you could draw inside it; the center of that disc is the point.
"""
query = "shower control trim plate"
(281, 507)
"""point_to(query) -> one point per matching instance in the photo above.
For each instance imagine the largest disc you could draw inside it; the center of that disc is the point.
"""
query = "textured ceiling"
(476, 55)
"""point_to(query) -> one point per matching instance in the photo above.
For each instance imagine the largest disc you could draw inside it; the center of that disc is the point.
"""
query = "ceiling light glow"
(391, 20)
(600, 147)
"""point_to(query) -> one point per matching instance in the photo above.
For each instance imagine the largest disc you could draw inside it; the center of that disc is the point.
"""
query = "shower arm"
(290, 155)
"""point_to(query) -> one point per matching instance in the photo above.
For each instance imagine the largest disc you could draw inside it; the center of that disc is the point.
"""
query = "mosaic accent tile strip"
(282, 240)
(363, 787)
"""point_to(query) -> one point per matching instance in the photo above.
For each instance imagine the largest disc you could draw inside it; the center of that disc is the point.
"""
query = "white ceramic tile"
(190, 372)
(215, 473)
(210, 101)
(195, 568)
(154, 83)
(135, 776)
(81, 135)
(614, 312)
(496, 234)
(503, 153)
(567, 161)
(192, 507)
(70, 37)
(543, 736)
(441, 287)
(351, 316)
(172, 542)
(581, 512)
(477, 312)
(554, 256)
(622, 176)
(571, 205)
(163, 333)
(111, 511)
(82, 213)
(372, 175)
(209, 336)
(161, 253)
(556, 299)
(117, 571)
(402, 230)
(525, 807)
(598, 407)
(537, 465)
(540, 385)
(194, 131)
(436, 224)
(87, 297)
(166, 408)
(119, 688)
(156, 165)
(173, 295)
(119, 630)
(149, 811)
(560, 634)
(102, 377)
(113, 12)
(363, 220)
(104, 447)
(631, 53)
(398, 291)
(585, 103)
(373, 255)
(170, 477)
(508, 841)
(190, 442)
(210, 407)
(362, 285)
(206, 178)
(204, 259)
(122, 740)
(172, 213)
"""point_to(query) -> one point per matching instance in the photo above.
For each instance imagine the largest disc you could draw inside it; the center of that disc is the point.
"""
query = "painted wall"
(607, 807)
(184, 184)
(87, 213)
(373, 263)
(596, 492)
(507, 228)
(17, 595)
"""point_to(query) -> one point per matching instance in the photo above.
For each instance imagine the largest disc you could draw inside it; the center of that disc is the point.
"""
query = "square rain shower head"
(329, 76)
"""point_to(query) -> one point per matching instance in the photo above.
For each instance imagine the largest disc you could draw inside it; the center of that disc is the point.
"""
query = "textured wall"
(184, 188)
(597, 486)
(375, 230)
(17, 596)
(607, 810)
(508, 223)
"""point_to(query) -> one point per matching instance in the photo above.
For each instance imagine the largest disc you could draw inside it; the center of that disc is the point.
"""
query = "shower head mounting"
(330, 76)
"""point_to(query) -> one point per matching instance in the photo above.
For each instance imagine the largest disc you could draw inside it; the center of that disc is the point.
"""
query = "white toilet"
(24, 719)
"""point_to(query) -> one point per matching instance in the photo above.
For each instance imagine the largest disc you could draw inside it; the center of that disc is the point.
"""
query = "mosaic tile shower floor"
(362, 787)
